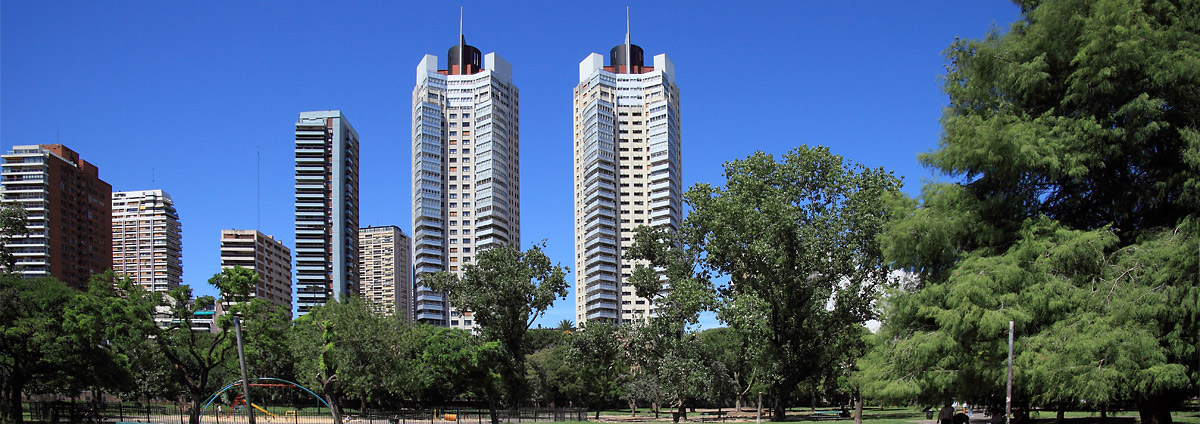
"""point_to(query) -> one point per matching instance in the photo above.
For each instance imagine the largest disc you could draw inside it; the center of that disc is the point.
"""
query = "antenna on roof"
(462, 55)
(258, 184)
(628, 50)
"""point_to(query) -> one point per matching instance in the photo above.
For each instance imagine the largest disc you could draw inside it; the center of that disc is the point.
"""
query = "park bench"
(830, 413)
(713, 416)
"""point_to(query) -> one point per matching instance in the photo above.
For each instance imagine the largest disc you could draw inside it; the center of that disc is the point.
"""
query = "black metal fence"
(112, 412)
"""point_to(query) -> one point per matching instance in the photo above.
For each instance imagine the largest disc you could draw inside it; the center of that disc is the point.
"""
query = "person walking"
(946, 415)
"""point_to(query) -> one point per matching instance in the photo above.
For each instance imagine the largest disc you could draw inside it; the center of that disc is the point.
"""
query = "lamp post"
(237, 326)
(1008, 398)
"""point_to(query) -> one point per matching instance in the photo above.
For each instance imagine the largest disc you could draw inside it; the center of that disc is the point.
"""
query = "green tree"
(798, 240)
(199, 361)
(553, 378)
(59, 340)
(596, 354)
(350, 351)
(737, 354)
(12, 224)
(661, 348)
(507, 290)
(455, 363)
(1075, 137)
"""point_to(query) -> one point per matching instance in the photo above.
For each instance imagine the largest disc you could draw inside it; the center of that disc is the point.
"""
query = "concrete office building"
(267, 257)
(147, 239)
(466, 180)
(326, 209)
(69, 215)
(628, 168)
(384, 270)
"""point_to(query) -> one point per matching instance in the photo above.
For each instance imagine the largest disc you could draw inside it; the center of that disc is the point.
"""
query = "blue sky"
(199, 98)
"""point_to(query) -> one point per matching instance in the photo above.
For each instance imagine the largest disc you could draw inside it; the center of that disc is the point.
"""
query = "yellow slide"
(264, 411)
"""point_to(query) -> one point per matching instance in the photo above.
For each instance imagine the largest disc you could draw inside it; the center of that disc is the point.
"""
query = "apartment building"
(385, 272)
(465, 164)
(69, 215)
(267, 257)
(627, 173)
(326, 209)
(147, 242)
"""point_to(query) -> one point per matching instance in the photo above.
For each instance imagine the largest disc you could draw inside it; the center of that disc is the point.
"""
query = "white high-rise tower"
(147, 239)
(627, 174)
(466, 180)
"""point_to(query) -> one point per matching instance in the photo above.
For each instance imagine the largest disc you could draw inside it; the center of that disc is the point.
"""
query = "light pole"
(237, 326)
(1008, 398)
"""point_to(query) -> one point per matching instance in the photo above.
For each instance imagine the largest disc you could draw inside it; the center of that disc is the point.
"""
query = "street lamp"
(237, 326)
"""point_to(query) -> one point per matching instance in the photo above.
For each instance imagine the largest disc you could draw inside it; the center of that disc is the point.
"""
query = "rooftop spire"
(628, 53)
(461, 40)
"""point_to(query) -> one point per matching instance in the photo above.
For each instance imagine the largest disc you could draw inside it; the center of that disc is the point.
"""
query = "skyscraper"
(466, 182)
(326, 208)
(384, 254)
(627, 174)
(267, 257)
(69, 215)
(147, 242)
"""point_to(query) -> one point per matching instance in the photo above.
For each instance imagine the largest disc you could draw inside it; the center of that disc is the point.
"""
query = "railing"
(168, 413)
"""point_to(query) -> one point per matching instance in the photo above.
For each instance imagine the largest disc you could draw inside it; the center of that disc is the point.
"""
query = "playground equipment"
(242, 400)
(274, 382)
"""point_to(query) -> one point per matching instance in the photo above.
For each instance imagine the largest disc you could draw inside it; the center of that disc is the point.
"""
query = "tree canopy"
(1074, 138)
(505, 290)
(797, 237)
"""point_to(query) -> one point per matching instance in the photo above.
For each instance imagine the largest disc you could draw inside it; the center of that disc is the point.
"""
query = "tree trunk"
(1061, 417)
(1103, 412)
(858, 408)
(778, 411)
(334, 408)
(194, 402)
(492, 407)
(10, 401)
(1154, 411)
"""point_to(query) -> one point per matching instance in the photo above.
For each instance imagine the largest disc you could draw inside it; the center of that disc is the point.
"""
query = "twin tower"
(466, 192)
(466, 179)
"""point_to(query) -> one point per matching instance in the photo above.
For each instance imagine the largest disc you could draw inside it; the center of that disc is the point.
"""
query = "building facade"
(68, 210)
(627, 174)
(147, 241)
(466, 179)
(385, 270)
(326, 209)
(267, 257)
